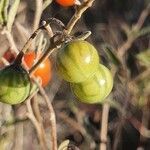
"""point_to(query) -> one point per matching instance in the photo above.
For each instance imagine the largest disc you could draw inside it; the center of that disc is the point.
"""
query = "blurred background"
(121, 34)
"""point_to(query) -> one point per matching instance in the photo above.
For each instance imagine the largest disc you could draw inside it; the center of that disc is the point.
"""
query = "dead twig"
(104, 127)
(134, 30)
(31, 116)
(38, 13)
(10, 40)
(79, 11)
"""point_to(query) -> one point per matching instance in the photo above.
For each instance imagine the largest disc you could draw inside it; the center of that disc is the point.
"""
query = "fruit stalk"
(68, 30)
(104, 126)
(79, 11)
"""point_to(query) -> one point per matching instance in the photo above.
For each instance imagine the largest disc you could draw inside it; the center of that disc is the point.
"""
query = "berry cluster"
(78, 63)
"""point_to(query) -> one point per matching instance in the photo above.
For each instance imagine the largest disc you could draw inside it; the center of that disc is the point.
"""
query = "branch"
(53, 47)
(52, 118)
(104, 126)
(79, 11)
(10, 40)
(46, 4)
(38, 13)
(142, 18)
(31, 116)
(133, 33)
(68, 29)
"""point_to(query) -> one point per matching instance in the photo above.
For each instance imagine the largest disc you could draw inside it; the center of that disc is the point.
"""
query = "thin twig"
(10, 40)
(79, 11)
(104, 127)
(37, 17)
(53, 133)
(39, 47)
(48, 28)
(5, 62)
(24, 33)
(135, 29)
(52, 118)
(29, 42)
(142, 18)
(141, 76)
(31, 116)
(43, 58)
(121, 52)
(19, 137)
(139, 126)
(118, 134)
(38, 13)
(46, 4)
(36, 110)
(128, 116)
(75, 125)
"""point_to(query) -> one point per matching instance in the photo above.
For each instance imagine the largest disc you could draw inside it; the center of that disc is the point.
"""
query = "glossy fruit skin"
(44, 71)
(77, 61)
(95, 89)
(66, 3)
(14, 84)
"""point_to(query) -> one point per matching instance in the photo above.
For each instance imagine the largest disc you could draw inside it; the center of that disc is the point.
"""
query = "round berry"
(66, 3)
(95, 89)
(77, 61)
(14, 84)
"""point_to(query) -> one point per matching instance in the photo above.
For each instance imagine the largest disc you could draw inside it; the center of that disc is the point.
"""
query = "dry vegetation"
(121, 33)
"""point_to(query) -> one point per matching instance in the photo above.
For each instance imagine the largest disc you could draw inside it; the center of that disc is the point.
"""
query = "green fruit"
(14, 84)
(95, 89)
(77, 61)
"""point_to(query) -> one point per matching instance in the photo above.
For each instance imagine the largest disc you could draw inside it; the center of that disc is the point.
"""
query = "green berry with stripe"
(14, 84)
(76, 61)
(96, 88)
